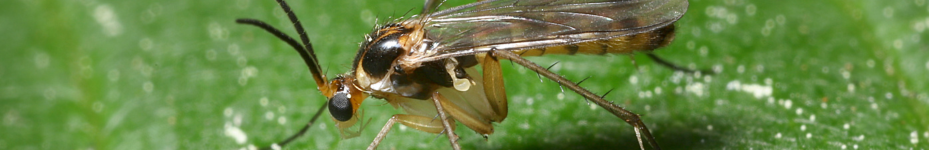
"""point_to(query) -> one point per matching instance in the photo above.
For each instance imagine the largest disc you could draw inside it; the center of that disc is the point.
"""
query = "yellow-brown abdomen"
(645, 41)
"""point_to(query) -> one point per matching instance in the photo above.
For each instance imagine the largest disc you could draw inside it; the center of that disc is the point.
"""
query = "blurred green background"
(174, 74)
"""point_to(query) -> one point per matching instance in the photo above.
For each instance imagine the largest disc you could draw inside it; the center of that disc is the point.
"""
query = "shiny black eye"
(340, 107)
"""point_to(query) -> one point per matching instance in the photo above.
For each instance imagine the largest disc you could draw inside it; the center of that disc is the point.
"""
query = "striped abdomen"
(645, 41)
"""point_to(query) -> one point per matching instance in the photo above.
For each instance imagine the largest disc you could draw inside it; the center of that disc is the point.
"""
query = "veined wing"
(526, 24)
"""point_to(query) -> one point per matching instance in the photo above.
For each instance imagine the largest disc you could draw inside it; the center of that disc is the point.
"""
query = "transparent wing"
(527, 24)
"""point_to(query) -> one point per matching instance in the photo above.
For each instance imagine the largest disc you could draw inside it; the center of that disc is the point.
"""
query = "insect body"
(426, 64)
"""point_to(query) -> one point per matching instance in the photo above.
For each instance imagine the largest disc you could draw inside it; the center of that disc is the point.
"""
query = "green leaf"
(793, 74)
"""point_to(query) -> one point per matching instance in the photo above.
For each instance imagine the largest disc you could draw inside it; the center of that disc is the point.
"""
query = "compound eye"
(340, 107)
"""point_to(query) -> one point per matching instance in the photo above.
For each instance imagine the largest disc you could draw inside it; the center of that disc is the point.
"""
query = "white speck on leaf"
(751, 9)
(281, 120)
(236, 134)
(227, 112)
(851, 88)
(858, 138)
(269, 115)
(914, 137)
(105, 16)
(633, 79)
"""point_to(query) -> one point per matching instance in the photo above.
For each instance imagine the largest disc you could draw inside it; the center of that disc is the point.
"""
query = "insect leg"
(421, 123)
(674, 67)
(450, 132)
(631, 118)
(479, 124)
(383, 133)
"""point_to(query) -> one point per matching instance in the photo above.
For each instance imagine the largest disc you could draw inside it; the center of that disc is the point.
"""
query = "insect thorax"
(376, 65)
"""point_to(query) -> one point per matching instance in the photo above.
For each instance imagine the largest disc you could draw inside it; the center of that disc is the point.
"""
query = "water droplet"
(216, 31)
(765, 31)
(241, 61)
(858, 138)
(113, 75)
(851, 88)
(704, 51)
(211, 55)
(732, 18)
(524, 126)
(919, 26)
(769, 23)
(367, 16)
(236, 134)
(751, 9)
(716, 27)
(281, 120)
(105, 16)
(788, 104)
(740, 69)
(263, 101)
(888, 12)
(148, 86)
(227, 112)
(42, 60)
(633, 79)
(269, 115)
(97, 107)
(898, 44)
(146, 44)
(914, 138)
(710, 11)
(243, 80)
(780, 19)
(691, 45)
